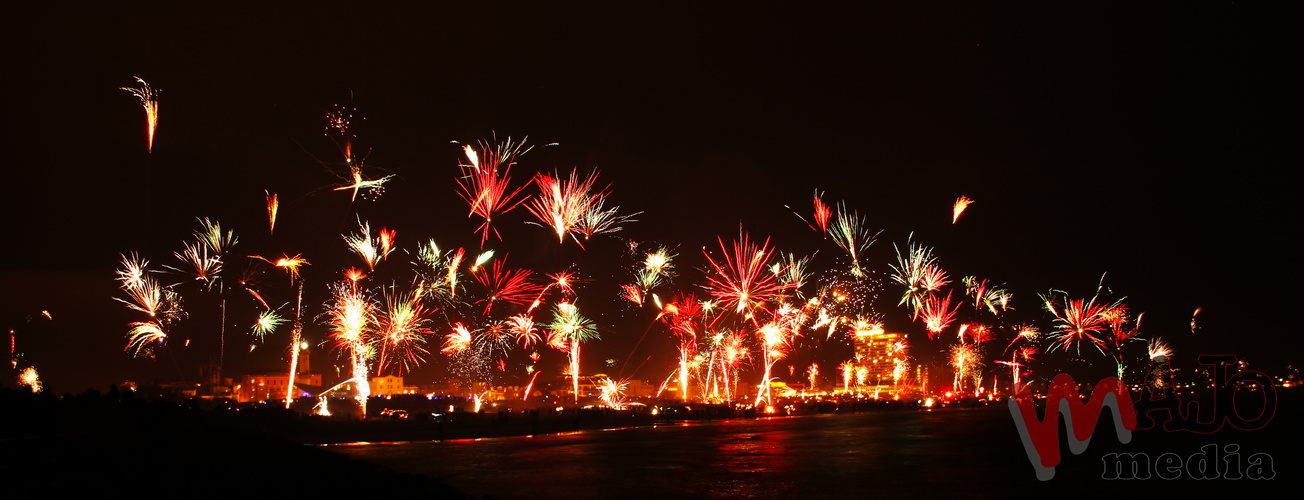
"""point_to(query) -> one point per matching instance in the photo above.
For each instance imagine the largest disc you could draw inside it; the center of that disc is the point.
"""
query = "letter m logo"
(1041, 436)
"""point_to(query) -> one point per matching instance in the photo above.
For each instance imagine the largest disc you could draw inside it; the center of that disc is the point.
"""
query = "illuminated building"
(390, 385)
(272, 386)
(876, 355)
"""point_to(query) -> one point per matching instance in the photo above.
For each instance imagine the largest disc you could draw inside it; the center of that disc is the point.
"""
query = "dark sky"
(1148, 142)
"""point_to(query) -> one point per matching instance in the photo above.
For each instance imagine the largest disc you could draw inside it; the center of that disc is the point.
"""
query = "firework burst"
(937, 314)
(849, 233)
(338, 123)
(658, 265)
(561, 204)
(597, 220)
(371, 250)
(402, 330)
(484, 184)
(1079, 321)
(916, 271)
(739, 278)
(30, 379)
(267, 323)
(613, 393)
(504, 285)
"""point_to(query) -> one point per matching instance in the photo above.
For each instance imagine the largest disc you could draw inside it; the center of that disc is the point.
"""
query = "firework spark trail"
(149, 99)
(562, 203)
(740, 280)
(937, 314)
(509, 286)
(632, 293)
(337, 123)
(680, 315)
(436, 272)
(978, 333)
(484, 185)
(733, 350)
(267, 323)
(204, 258)
(791, 271)
(848, 369)
(821, 216)
(359, 183)
(132, 271)
(458, 341)
(569, 327)
(597, 220)
(822, 213)
(657, 266)
(613, 393)
(775, 340)
(494, 343)
(402, 326)
(529, 387)
(1158, 348)
(453, 265)
(850, 234)
(1025, 352)
(142, 334)
(522, 327)
(933, 279)
(29, 378)
(812, 373)
(211, 235)
(913, 271)
(961, 203)
(371, 250)
(900, 371)
(966, 359)
(161, 304)
(272, 207)
(1159, 376)
(198, 263)
(564, 281)
(1121, 332)
(1079, 321)
(352, 317)
(984, 295)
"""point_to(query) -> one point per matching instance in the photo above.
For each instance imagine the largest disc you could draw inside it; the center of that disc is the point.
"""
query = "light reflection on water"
(895, 454)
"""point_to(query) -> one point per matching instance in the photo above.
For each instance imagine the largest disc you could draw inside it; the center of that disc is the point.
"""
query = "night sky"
(1146, 142)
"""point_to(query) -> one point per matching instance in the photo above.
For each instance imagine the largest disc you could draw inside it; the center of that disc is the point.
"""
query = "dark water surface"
(972, 453)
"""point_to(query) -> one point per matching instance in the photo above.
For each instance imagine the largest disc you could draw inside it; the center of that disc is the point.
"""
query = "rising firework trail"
(149, 99)
(567, 331)
(681, 315)
(272, 207)
(960, 204)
